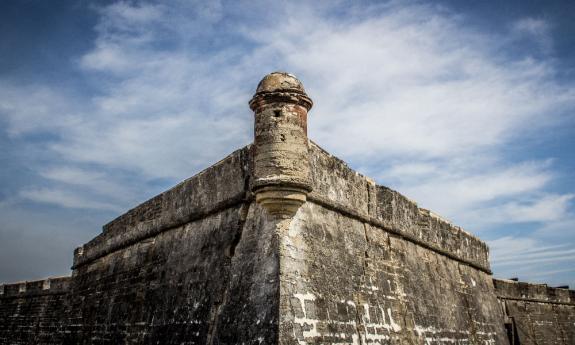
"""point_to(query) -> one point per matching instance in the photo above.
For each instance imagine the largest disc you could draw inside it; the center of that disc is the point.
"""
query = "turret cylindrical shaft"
(281, 161)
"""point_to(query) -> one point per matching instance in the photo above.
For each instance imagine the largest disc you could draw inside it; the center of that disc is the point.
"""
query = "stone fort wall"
(357, 264)
(34, 312)
(189, 266)
(366, 264)
(363, 264)
(537, 313)
(193, 265)
(282, 243)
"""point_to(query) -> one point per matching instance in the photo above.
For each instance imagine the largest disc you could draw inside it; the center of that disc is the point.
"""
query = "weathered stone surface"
(536, 313)
(281, 160)
(213, 189)
(162, 289)
(199, 272)
(338, 187)
(34, 312)
(333, 180)
(346, 281)
(283, 243)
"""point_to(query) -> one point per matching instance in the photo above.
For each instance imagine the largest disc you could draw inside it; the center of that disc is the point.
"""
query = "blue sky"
(465, 107)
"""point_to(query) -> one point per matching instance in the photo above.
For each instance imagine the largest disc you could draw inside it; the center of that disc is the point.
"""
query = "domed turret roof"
(280, 81)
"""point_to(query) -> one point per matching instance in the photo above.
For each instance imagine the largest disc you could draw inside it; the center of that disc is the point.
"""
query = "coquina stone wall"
(197, 264)
(282, 243)
(194, 265)
(34, 312)
(537, 313)
(361, 264)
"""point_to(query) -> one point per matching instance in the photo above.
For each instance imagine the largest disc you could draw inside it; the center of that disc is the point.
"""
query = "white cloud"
(402, 86)
(168, 146)
(65, 198)
(35, 108)
(536, 29)
(532, 26)
(511, 249)
(410, 85)
(73, 175)
(561, 229)
(410, 93)
(96, 183)
(530, 259)
(468, 190)
(547, 208)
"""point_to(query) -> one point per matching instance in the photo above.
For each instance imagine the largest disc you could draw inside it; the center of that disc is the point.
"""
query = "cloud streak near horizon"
(407, 93)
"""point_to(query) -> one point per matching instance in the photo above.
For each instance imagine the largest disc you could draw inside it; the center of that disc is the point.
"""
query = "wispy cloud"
(408, 93)
(511, 250)
(65, 199)
(535, 29)
(461, 187)
(544, 208)
(532, 260)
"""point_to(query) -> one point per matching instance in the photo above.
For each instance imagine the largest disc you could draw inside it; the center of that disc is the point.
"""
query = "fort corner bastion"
(282, 243)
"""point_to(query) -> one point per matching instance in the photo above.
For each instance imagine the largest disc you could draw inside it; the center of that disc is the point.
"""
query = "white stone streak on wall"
(394, 326)
(432, 335)
(371, 332)
(429, 334)
(304, 320)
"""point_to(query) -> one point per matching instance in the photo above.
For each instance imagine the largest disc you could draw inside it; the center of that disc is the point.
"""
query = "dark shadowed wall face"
(196, 264)
(34, 312)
